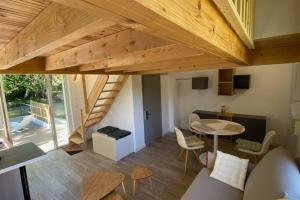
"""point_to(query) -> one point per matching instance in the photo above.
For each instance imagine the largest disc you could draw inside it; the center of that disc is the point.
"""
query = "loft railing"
(240, 14)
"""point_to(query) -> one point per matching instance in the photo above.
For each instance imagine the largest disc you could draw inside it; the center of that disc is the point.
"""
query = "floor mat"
(72, 149)
(71, 153)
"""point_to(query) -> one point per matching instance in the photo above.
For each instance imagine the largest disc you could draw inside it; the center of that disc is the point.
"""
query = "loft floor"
(58, 176)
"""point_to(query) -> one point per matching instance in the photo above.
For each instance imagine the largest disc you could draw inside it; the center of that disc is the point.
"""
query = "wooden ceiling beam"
(157, 54)
(176, 62)
(193, 23)
(122, 43)
(276, 50)
(187, 68)
(55, 26)
(35, 66)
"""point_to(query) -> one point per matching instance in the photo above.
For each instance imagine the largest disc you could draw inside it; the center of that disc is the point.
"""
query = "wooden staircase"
(102, 96)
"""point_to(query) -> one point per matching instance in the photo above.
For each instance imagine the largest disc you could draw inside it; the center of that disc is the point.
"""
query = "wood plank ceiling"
(15, 15)
(118, 37)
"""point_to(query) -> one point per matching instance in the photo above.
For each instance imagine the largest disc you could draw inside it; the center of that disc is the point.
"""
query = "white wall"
(121, 112)
(269, 95)
(167, 104)
(138, 113)
(276, 17)
(294, 138)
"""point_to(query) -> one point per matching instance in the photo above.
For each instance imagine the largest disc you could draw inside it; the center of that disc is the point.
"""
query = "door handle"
(146, 115)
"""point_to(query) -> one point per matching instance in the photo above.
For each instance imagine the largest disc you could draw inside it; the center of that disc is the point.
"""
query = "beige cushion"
(273, 177)
(248, 145)
(193, 141)
(230, 169)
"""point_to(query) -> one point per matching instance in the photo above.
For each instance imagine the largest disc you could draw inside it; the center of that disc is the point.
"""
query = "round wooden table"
(97, 185)
(216, 127)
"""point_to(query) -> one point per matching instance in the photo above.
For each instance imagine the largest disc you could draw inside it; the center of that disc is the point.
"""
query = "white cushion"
(230, 170)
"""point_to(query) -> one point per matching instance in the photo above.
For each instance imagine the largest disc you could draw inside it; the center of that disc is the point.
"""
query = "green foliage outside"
(22, 88)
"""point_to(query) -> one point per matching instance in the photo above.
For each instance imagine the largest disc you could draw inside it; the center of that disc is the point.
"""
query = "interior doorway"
(34, 106)
(152, 108)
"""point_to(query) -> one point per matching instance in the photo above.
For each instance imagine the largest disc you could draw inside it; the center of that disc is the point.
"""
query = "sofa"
(274, 177)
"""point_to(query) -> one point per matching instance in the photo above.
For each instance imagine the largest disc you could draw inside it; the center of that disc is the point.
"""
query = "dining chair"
(254, 148)
(194, 118)
(190, 143)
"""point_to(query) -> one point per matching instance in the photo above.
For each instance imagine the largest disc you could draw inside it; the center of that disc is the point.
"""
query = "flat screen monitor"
(199, 83)
(242, 81)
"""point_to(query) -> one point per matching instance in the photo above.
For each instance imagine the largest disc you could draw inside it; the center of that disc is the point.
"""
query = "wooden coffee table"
(113, 196)
(97, 185)
(141, 172)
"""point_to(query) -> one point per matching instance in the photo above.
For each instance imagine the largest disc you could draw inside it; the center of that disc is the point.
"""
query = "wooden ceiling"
(15, 15)
(122, 37)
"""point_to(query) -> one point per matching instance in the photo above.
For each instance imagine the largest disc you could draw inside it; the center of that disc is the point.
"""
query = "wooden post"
(85, 99)
(83, 129)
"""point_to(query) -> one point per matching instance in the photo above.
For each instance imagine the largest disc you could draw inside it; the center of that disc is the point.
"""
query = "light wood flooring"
(58, 176)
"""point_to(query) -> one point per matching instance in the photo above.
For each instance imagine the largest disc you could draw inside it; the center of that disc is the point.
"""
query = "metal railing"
(37, 109)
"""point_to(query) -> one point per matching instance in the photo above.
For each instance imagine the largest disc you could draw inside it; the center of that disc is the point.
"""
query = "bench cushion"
(118, 134)
(107, 129)
(207, 188)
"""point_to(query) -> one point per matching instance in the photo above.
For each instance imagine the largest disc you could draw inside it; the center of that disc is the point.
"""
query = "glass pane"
(28, 110)
(60, 119)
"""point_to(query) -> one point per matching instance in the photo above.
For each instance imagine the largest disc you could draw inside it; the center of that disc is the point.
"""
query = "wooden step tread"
(104, 98)
(91, 122)
(102, 104)
(111, 90)
(76, 139)
(98, 111)
(92, 118)
(114, 82)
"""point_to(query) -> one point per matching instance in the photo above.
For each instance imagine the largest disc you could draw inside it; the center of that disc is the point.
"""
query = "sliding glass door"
(59, 109)
(35, 111)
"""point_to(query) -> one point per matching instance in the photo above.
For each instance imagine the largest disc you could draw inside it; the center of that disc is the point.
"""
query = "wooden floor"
(58, 176)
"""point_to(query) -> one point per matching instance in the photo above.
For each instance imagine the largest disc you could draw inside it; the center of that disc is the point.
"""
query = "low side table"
(141, 172)
(113, 196)
(97, 185)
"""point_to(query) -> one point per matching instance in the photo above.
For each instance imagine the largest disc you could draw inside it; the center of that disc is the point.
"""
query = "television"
(199, 83)
(242, 81)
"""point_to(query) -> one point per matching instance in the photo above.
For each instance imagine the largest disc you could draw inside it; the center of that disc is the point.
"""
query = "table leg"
(124, 189)
(215, 144)
(25, 185)
(133, 188)
(150, 181)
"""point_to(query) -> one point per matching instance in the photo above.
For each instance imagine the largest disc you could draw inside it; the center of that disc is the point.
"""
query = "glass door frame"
(51, 111)
(5, 116)
(4, 113)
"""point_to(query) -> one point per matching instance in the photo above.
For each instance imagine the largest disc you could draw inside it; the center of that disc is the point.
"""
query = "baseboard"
(140, 148)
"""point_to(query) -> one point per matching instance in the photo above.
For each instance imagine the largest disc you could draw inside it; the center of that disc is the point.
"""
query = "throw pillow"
(230, 170)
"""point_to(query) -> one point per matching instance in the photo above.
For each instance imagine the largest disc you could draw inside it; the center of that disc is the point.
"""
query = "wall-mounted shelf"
(226, 82)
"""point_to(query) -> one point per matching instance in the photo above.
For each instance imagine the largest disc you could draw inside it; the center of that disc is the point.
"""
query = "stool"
(141, 172)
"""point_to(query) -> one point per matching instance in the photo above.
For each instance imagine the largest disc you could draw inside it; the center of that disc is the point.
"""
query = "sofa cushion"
(207, 188)
(230, 170)
(273, 177)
